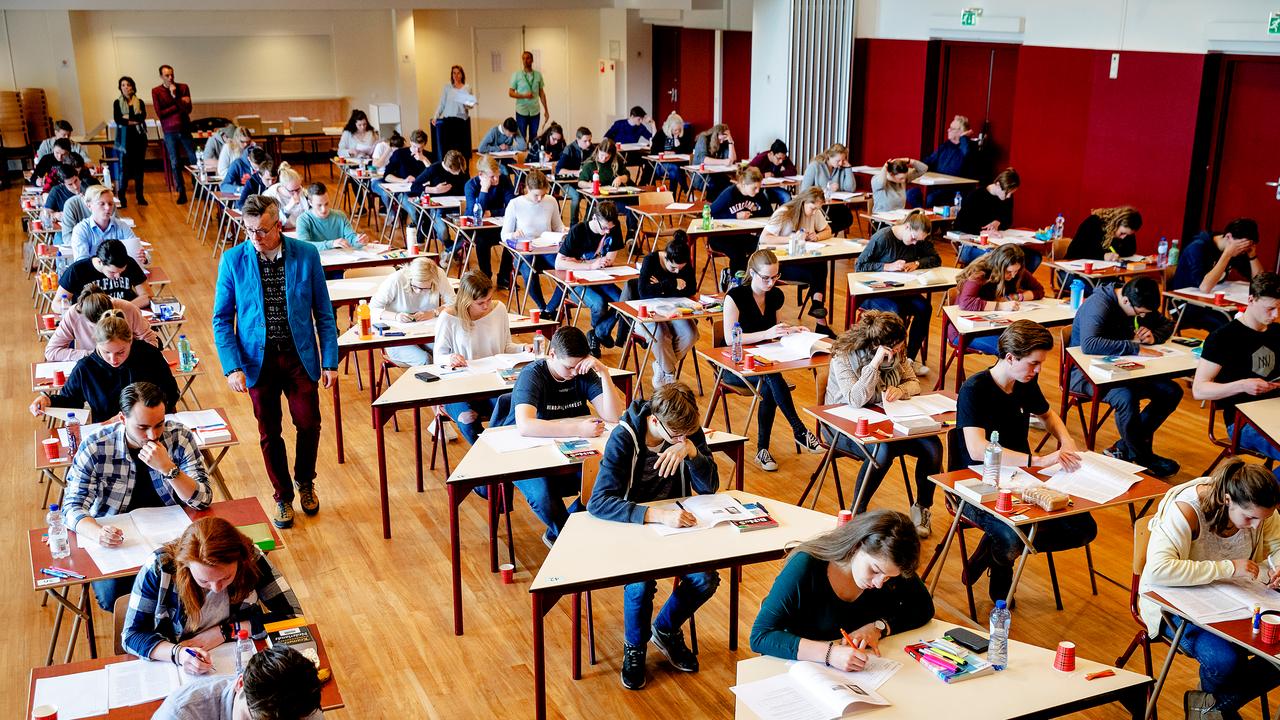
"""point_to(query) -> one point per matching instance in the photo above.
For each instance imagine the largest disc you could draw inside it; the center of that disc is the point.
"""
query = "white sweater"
(488, 336)
(394, 295)
(531, 218)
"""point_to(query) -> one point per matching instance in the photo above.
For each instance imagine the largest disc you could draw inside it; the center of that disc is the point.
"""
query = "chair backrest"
(118, 612)
(655, 198)
(1141, 536)
(368, 272)
(957, 452)
(501, 411)
(1064, 376)
(1059, 248)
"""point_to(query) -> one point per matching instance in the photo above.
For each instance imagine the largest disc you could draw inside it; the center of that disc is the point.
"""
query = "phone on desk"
(967, 639)
(1188, 342)
(381, 326)
(425, 376)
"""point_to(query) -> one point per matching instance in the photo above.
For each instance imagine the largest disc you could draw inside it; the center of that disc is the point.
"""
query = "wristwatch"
(169, 476)
(882, 626)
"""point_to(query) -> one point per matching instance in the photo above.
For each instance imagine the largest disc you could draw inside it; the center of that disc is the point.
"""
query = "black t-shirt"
(583, 243)
(660, 487)
(733, 201)
(980, 208)
(144, 491)
(82, 272)
(1242, 352)
(749, 315)
(983, 404)
(555, 400)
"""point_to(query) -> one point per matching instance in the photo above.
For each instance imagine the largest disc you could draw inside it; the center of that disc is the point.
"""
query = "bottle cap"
(242, 635)
(1000, 605)
(53, 507)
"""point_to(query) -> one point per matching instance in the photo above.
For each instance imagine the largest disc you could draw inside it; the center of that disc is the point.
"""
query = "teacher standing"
(528, 89)
(172, 102)
(452, 120)
(131, 138)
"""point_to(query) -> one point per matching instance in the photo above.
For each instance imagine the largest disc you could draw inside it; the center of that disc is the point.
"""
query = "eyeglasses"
(262, 231)
(419, 288)
(767, 278)
(667, 431)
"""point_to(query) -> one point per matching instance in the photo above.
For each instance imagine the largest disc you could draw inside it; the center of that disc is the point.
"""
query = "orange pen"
(849, 640)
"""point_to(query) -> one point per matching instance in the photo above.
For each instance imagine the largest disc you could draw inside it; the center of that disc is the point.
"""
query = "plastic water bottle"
(796, 245)
(200, 168)
(186, 358)
(1174, 252)
(955, 205)
(706, 217)
(735, 343)
(1077, 293)
(477, 213)
(539, 344)
(595, 183)
(991, 460)
(998, 642)
(244, 650)
(106, 177)
(1058, 224)
(1162, 252)
(58, 545)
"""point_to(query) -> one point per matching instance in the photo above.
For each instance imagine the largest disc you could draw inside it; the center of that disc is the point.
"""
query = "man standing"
(528, 89)
(172, 103)
(269, 306)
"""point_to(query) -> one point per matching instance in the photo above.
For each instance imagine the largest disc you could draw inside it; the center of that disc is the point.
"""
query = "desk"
(330, 695)
(624, 195)
(1180, 361)
(573, 289)
(995, 240)
(526, 258)
(1028, 688)
(591, 554)
(346, 292)
(932, 179)
(1189, 296)
(628, 313)
(1051, 313)
(827, 251)
(245, 511)
(663, 217)
(1146, 490)
(704, 172)
(938, 279)
(336, 259)
(1263, 415)
(719, 359)
(464, 231)
(1103, 275)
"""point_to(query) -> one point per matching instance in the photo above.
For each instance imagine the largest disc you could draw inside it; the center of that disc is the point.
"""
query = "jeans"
(985, 344)
(774, 396)
(778, 196)
(575, 202)
(532, 280)
(108, 591)
(941, 196)
(671, 172)
(915, 308)
(670, 342)
(1251, 439)
(527, 126)
(283, 374)
(690, 593)
(173, 141)
(737, 248)
(1052, 536)
(597, 299)
(969, 253)
(485, 242)
(1202, 318)
(927, 451)
(1137, 426)
(471, 430)
(1226, 670)
(545, 497)
(812, 274)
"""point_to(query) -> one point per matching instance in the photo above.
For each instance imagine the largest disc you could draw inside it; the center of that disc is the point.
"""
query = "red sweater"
(173, 109)
(976, 292)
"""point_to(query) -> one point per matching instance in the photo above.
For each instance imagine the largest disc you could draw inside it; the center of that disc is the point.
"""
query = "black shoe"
(182, 199)
(142, 201)
(633, 675)
(825, 329)
(593, 345)
(122, 204)
(504, 287)
(1161, 467)
(1197, 705)
(672, 645)
(605, 340)
(817, 310)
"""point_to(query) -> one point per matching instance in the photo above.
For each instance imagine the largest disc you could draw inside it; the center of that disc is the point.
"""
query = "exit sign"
(969, 17)
(1273, 24)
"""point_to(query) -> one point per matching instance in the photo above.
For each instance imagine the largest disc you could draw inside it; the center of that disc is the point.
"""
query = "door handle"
(674, 93)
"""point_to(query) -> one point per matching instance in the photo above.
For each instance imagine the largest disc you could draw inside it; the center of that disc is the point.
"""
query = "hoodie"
(619, 488)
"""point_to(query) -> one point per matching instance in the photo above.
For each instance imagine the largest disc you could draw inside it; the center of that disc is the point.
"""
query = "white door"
(497, 57)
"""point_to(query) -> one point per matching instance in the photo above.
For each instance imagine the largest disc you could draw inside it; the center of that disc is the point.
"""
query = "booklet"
(806, 691)
(710, 510)
(144, 530)
(796, 346)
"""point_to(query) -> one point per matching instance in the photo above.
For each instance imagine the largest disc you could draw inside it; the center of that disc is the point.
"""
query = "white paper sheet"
(76, 696)
(505, 442)
(854, 414)
(679, 206)
(480, 366)
(197, 418)
(139, 681)
(45, 370)
(1205, 603)
(161, 524)
(1097, 264)
(796, 346)
(893, 215)
(547, 239)
(1099, 478)
(931, 404)
(223, 659)
(133, 552)
(875, 673)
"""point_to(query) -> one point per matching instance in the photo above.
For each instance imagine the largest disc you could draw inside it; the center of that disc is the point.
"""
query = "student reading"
(1001, 400)
(593, 245)
(1209, 529)
(414, 293)
(830, 172)
(278, 683)
(1106, 234)
(860, 579)
(658, 451)
(740, 201)
(527, 218)
(998, 280)
(668, 273)
(990, 209)
(803, 214)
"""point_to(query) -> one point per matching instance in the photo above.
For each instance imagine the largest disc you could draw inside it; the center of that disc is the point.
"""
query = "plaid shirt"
(156, 614)
(101, 477)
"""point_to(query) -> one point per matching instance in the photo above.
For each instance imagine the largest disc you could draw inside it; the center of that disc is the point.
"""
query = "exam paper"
(197, 418)
(1012, 478)
(1205, 603)
(139, 681)
(711, 510)
(796, 346)
(512, 441)
(679, 206)
(854, 414)
(223, 659)
(159, 525)
(931, 404)
(132, 553)
(1099, 478)
(76, 696)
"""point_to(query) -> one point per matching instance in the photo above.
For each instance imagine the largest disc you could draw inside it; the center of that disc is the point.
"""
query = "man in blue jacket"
(952, 157)
(657, 452)
(274, 328)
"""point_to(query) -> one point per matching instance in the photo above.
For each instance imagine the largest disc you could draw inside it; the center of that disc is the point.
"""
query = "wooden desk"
(719, 359)
(703, 172)
(828, 252)
(522, 259)
(932, 179)
(1192, 296)
(335, 259)
(1104, 275)
(1028, 688)
(939, 279)
(330, 695)
(346, 292)
(625, 195)
(184, 379)
(998, 238)
(662, 218)
(629, 314)
(1181, 361)
(1050, 313)
(573, 289)
(1263, 415)
(591, 554)
(245, 511)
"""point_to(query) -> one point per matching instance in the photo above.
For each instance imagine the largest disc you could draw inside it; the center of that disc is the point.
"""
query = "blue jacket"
(236, 170)
(950, 158)
(494, 201)
(239, 321)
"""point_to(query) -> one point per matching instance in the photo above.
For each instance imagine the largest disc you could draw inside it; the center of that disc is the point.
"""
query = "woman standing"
(131, 138)
(452, 119)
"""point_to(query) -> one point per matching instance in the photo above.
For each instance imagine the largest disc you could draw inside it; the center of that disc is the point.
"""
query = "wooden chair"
(651, 198)
(118, 612)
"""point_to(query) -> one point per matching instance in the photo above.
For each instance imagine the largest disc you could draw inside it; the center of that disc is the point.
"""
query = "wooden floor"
(384, 606)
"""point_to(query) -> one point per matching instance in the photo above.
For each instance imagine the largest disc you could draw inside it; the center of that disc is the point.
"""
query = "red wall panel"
(697, 77)
(890, 94)
(735, 88)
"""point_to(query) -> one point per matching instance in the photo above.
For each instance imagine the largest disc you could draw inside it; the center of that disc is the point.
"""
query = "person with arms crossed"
(775, 163)
(528, 89)
(274, 328)
(278, 683)
(172, 102)
(636, 127)
(452, 118)
(416, 292)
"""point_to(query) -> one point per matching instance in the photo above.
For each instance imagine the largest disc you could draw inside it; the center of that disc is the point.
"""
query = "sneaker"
(765, 461)
(593, 345)
(633, 675)
(816, 310)
(920, 368)
(307, 499)
(605, 340)
(672, 645)
(810, 444)
(1198, 705)
(284, 515)
(1161, 467)
(122, 203)
(1117, 451)
(182, 199)
(920, 517)
(546, 538)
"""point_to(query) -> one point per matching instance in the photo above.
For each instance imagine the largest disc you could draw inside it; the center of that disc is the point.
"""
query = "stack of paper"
(208, 425)
(1099, 478)
(547, 239)
(932, 404)
(893, 215)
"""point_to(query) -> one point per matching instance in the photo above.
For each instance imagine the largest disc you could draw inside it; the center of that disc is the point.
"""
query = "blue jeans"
(1137, 426)
(575, 202)
(913, 308)
(941, 196)
(1202, 318)
(1053, 536)
(969, 253)
(109, 590)
(471, 430)
(1251, 439)
(546, 498)
(527, 126)
(1226, 670)
(812, 274)
(986, 344)
(774, 396)
(690, 593)
(173, 141)
(671, 172)
(777, 196)
(532, 281)
(927, 452)
(597, 299)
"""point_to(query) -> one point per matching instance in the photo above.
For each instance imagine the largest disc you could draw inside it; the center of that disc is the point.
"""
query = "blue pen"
(54, 573)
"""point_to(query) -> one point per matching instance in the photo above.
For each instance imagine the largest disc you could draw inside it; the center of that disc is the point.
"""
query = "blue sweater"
(623, 132)
(1199, 257)
(949, 158)
(494, 200)
(1102, 327)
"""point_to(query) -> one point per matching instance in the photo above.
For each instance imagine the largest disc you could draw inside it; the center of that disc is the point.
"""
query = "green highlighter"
(260, 535)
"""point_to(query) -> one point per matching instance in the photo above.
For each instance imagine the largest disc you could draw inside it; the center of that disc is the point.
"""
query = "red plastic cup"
(1088, 267)
(1270, 629)
(535, 315)
(1219, 298)
(1004, 503)
(525, 246)
(59, 378)
(644, 311)
(45, 712)
(863, 428)
(509, 573)
(50, 321)
(37, 225)
(749, 362)
(844, 517)
(52, 448)
(569, 275)
(1065, 660)
(983, 238)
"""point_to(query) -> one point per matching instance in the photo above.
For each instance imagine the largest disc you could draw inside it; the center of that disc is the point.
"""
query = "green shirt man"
(528, 90)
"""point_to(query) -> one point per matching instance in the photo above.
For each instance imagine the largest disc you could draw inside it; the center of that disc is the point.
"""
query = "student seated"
(416, 292)
(1238, 362)
(214, 143)
(671, 139)
(550, 400)
(990, 209)
(998, 280)
(754, 306)
(73, 338)
(549, 146)
(740, 201)
(474, 326)
(527, 218)
(101, 226)
(593, 245)
(61, 130)
(199, 591)
(119, 360)
(952, 157)
(636, 127)
(112, 270)
(830, 172)
(327, 227)
(67, 185)
(235, 146)
(243, 170)
(1107, 234)
(1215, 528)
(142, 461)
(606, 161)
(668, 273)
(904, 246)
(1209, 259)
(1001, 399)
(278, 682)
(503, 137)
(774, 163)
(1126, 320)
(488, 194)
(713, 148)
(889, 185)
(859, 578)
(60, 154)
(869, 366)
(288, 194)
(358, 137)
(404, 165)
(383, 149)
(574, 155)
(658, 451)
(447, 177)
(803, 213)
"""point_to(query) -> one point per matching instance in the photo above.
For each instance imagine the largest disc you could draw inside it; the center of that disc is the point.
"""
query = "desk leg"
(1134, 700)
(373, 374)
(1235, 433)
(735, 581)
(1164, 670)
(417, 444)
(337, 417)
(739, 462)
(57, 623)
(946, 546)
(819, 476)
(1091, 432)
(576, 612)
(494, 489)
(1028, 544)
(541, 606)
(455, 499)
(86, 607)
(211, 466)
(378, 431)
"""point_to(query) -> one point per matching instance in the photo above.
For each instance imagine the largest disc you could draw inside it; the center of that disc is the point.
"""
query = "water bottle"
(1077, 293)
(477, 213)
(595, 183)
(796, 245)
(186, 358)
(706, 216)
(1174, 252)
(539, 344)
(1058, 224)
(106, 176)
(998, 642)
(991, 460)
(955, 205)
(735, 343)
(1162, 252)
(58, 545)
(200, 168)
(245, 650)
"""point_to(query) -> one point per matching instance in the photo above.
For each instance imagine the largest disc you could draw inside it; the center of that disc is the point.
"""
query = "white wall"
(37, 52)
(770, 81)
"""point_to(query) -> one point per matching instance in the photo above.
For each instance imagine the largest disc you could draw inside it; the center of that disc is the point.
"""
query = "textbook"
(576, 448)
(807, 691)
(1111, 368)
(710, 510)
(298, 637)
(796, 346)
(950, 662)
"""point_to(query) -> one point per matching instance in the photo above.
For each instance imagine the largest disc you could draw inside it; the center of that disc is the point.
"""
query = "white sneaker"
(920, 517)
(766, 461)
(920, 368)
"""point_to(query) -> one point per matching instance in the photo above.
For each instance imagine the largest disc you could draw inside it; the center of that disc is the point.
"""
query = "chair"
(723, 390)
(651, 198)
(950, 351)
(1225, 441)
(359, 273)
(1071, 398)
(1056, 251)
(118, 612)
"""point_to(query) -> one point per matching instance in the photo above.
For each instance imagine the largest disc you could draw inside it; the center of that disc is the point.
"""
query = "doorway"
(976, 80)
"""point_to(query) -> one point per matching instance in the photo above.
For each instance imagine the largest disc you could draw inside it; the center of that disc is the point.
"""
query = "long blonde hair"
(713, 138)
(474, 286)
(286, 173)
(992, 267)
(672, 123)
(111, 325)
(793, 210)
(425, 272)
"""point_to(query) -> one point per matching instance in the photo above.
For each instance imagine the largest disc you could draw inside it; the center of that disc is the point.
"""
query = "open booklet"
(479, 366)
(920, 405)
(1099, 478)
(807, 691)
(140, 681)
(612, 272)
(710, 510)
(1223, 600)
(144, 530)
(796, 346)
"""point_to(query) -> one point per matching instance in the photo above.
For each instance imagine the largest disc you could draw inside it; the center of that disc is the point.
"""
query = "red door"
(977, 80)
(666, 70)
(735, 88)
(684, 75)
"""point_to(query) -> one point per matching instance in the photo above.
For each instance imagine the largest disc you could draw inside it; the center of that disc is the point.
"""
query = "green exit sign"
(1273, 24)
(969, 16)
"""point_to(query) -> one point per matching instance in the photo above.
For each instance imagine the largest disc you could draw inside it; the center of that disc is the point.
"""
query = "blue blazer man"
(239, 323)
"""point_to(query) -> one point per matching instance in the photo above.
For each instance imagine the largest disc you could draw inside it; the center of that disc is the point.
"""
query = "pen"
(849, 640)
(1100, 674)
(680, 505)
(54, 573)
(65, 571)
